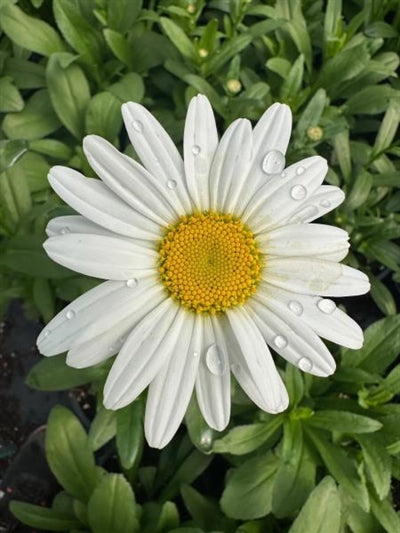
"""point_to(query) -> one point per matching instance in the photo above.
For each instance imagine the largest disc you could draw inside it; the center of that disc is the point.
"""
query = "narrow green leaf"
(385, 513)
(11, 151)
(119, 46)
(342, 469)
(29, 32)
(344, 422)
(386, 252)
(25, 74)
(103, 428)
(77, 31)
(388, 128)
(68, 454)
(44, 298)
(41, 517)
(69, 92)
(112, 507)
(371, 100)
(229, 49)
(292, 82)
(342, 151)
(382, 296)
(121, 14)
(103, 116)
(130, 433)
(32, 263)
(321, 512)
(378, 463)
(245, 439)
(179, 38)
(312, 114)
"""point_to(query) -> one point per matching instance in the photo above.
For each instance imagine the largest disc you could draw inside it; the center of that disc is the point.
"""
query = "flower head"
(210, 260)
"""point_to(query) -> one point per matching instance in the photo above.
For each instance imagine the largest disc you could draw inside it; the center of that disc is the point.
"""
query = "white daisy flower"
(209, 259)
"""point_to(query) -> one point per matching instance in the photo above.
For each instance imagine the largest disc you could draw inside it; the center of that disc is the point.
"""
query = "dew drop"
(295, 307)
(325, 203)
(137, 125)
(298, 192)
(46, 333)
(196, 149)
(283, 174)
(326, 306)
(215, 360)
(195, 354)
(300, 170)
(65, 230)
(206, 440)
(70, 314)
(273, 162)
(132, 283)
(305, 364)
(171, 184)
(280, 341)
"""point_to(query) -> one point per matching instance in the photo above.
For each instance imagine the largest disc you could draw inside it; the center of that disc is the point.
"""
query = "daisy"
(210, 260)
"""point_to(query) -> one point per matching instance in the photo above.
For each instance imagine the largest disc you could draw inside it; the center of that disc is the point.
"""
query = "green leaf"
(204, 511)
(342, 151)
(360, 191)
(129, 88)
(103, 116)
(371, 100)
(69, 92)
(52, 374)
(44, 298)
(52, 148)
(200, 433)
(229, 49)
(29, 32)
(112, 507)
(294, 384)
(295, 477)
(292, 83)
(321, 512)
(121, 14)
(388, 128)
(344, 422)
(10, 98)
(386, 515)
(41, 517)
(342, 469)
(382, 296)
(245, 439)
(32, 263)
(103, 428)
(378, 463)
(11, 152)
(35, 121)
(386, 252)
(77, 31)
(179, 38)
(346, 65)
(332, 27)
(130, 433)
(119, 46)
(381, 346)
(312, 114)
(32, 169)
(68, 454)
(248, 490)
(25, 74)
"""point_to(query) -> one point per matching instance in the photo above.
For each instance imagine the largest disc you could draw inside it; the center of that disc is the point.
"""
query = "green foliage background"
(331, 462)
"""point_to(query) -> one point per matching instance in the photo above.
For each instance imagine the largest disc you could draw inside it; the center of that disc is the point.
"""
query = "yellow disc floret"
(209, 262)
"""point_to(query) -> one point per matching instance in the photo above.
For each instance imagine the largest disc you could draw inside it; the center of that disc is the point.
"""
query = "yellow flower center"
(209, 262)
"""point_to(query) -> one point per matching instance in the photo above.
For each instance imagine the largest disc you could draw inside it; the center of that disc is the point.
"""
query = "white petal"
(106, 335)
(129, 180)
(277, 200)
(213, 383)
(101, 301)
(272, 132)
(200, 140)
(170, 392)
(303, 240)
(291, 338)
(315, 276)
(94, 200)
(75, 224)
(146, 350)
(101, 256)
(253, 365)
(322, 201)
(157, 152)
(322, 316)
(230, 166)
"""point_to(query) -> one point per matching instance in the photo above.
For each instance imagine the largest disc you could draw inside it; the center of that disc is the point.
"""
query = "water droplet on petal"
(132, 283)
(295, 307)
(273, 162)
(326, 306)
(65, 230)
(195, 354)
(298, 192)
(215, 360)
(137, 125)
(196, 149)
(171, 184)
(325, 203)
(305, 364)
(283, 174)
(70, 314)
(300, 170)
(46, 333)
(280, 341)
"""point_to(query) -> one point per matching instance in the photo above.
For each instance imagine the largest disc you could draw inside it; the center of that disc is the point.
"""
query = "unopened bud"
(234, 86)
(203, 52)
(191, 8)
(315, 133)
